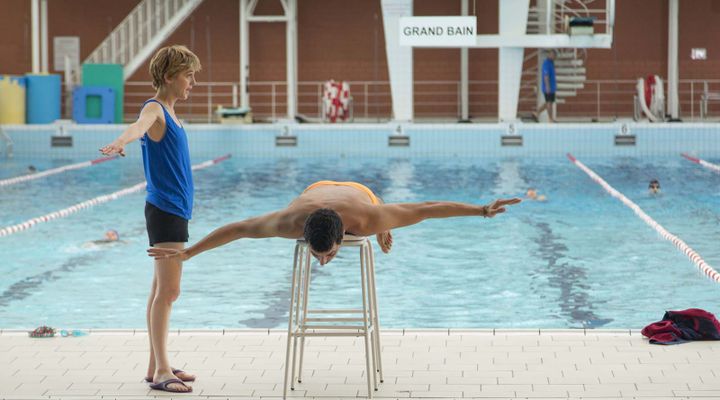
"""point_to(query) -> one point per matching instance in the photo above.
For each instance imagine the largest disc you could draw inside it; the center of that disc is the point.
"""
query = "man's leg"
(551, 111)
(167, 273)
(537, 113)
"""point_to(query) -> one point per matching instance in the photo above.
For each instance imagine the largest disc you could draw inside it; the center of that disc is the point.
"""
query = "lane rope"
(702, 162)
(38, 175)
(92, 202)
(703, 266)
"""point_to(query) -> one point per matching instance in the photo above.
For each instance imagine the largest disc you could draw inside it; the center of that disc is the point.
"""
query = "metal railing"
(564, 9)
(8, 143)
(144, 26)
(435, 100)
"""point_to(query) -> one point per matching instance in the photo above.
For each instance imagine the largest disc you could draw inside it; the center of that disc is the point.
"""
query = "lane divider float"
(92, 202)
(702, 162)
(703, 266)
(38, 175)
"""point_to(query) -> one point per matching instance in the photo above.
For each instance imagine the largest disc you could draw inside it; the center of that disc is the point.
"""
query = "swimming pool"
(581, 259)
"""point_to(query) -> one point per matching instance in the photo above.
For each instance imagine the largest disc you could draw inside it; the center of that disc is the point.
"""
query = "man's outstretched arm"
(389, 216)
(276, 224)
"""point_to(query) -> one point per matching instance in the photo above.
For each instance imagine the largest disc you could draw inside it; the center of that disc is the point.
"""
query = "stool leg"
(300, 325)
(376, 318)
(370, 373)
(373, 342)
(306, 291)
(290, 318)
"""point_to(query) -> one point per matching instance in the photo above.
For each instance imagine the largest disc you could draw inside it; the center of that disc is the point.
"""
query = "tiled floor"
(498, 364)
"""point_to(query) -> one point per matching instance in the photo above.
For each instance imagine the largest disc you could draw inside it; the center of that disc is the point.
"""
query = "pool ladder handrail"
(8, 143)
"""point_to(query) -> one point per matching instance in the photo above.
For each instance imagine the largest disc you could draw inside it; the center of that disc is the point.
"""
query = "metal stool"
(305, 323)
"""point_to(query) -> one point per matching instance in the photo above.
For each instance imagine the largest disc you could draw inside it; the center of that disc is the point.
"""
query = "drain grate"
(625, 140)
(285, 141)
(398, 141)
(61, 141)
(511, 140)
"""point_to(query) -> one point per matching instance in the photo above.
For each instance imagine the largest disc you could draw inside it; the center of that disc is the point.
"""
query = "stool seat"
(304, 322)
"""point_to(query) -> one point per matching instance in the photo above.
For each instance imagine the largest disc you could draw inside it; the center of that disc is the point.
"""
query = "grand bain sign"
(438, 31)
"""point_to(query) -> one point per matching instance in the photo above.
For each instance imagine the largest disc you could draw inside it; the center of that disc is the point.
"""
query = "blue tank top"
(167, 169)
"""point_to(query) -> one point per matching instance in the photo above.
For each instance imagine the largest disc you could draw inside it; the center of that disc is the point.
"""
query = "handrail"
(134, 15)
(141, 29)
(599, 99)
(8, 143)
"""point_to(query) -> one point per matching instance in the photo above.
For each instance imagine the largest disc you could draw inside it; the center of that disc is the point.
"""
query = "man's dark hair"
(323, 229)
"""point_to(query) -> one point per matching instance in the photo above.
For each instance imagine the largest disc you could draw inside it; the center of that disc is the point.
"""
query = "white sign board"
(66, 46)
(438, 31)
(698, 54)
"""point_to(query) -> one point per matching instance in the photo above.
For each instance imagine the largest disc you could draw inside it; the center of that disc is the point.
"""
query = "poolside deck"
(488, 364)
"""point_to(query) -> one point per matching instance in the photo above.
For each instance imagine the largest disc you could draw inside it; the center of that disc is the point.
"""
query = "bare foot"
(385, 241)
(182, 375)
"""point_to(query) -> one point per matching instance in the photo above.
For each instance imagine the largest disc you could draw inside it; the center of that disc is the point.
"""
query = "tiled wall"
(447, 140)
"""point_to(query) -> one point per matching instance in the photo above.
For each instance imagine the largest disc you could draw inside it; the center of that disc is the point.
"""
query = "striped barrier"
(24, 178)
(92, 202)
(702, 162)
(682, 246)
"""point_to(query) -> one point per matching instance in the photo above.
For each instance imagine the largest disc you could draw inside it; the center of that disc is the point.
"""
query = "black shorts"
(163, 227)
(550, 97)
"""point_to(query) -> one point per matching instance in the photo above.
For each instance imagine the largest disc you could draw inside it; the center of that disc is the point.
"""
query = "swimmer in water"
(532, 194)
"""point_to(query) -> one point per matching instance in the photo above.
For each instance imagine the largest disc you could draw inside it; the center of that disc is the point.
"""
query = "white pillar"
(245, 12)
(513, 21)
(673, 22)
(464, 74)
(291, 51)
(399, 59)
(35, 35)
(43, 36)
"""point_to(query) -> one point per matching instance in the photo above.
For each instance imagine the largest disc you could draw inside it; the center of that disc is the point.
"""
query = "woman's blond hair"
(171, 60)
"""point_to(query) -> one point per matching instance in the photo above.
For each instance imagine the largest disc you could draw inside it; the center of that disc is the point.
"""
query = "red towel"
(682, 326)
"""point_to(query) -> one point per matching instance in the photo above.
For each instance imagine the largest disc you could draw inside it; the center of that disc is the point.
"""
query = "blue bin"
(42, 98)
(107, 105)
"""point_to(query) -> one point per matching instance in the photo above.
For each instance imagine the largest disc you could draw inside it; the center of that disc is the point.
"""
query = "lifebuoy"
(336, 98)
(651, 96)
(649, 87)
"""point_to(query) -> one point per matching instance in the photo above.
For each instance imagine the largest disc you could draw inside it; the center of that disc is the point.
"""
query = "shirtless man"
(328, 210)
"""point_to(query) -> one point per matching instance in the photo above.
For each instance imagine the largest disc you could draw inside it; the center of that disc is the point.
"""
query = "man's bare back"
(351, 204)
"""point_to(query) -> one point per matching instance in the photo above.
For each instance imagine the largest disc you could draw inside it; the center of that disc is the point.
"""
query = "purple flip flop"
(164, 386)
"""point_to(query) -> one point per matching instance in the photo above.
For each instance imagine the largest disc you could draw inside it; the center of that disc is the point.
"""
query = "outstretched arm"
(276, 224)
(389, 216)
(149, 114)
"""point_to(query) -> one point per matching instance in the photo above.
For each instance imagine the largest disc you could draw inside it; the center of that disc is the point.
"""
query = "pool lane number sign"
(438, 31)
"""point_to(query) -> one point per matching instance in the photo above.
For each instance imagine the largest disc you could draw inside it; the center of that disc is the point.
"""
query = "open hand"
(161, 253)
(498, 206)
(113, 148)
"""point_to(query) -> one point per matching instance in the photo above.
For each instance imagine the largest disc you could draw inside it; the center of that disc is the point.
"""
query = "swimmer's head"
(32, 169)
(324, 232)
(654, 186)
(531, 194)
(112, 235)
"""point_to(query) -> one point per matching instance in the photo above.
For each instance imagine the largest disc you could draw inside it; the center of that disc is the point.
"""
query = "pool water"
(580, 259)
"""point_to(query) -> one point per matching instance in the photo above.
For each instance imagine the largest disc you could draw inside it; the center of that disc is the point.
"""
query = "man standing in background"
(549, 87)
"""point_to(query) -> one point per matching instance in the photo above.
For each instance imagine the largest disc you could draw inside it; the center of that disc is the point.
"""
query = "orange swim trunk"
(355, 185)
